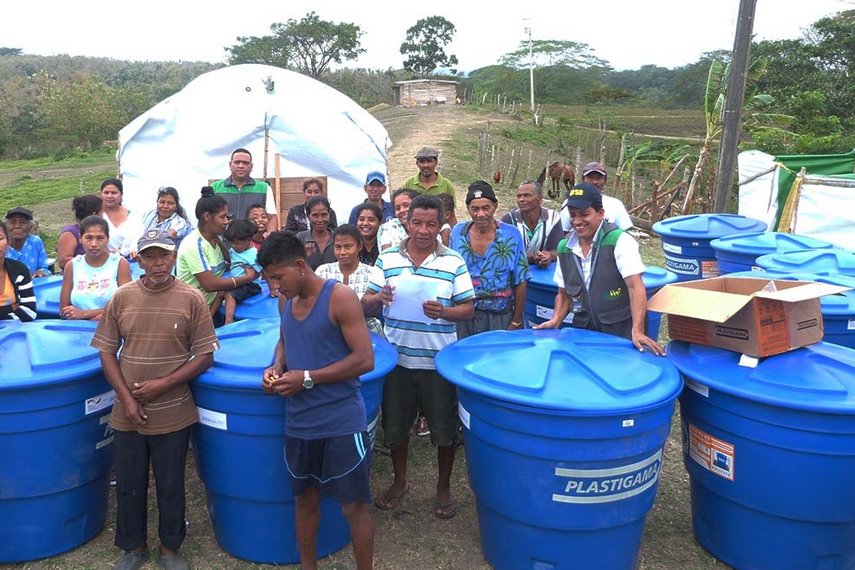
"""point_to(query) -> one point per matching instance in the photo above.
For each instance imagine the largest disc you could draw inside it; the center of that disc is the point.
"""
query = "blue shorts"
(339, 466)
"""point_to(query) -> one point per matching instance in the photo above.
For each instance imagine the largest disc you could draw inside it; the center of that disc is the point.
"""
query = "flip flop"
(445, 510)
(386, 501)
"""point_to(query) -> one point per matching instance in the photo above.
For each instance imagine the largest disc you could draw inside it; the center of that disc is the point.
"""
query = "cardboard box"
(736, 313)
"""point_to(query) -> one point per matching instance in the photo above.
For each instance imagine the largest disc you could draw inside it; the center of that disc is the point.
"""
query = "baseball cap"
(427, 152)
(480, 189)
(594, 167)
(583, 195)
(154, 238)
(375, 175)
(20, 211)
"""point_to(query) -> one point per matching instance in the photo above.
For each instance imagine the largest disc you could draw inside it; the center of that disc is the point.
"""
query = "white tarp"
(186, 139)
(758, 186)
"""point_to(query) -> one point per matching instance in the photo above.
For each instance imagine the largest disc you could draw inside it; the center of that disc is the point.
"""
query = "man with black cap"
(23, 246)
(594, 173)
(428, 180)
(375, 187)
(599, 274)
(166, 337)
(495, 256)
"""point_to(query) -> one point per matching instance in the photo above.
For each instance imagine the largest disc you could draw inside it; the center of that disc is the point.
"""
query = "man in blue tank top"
(323, 347)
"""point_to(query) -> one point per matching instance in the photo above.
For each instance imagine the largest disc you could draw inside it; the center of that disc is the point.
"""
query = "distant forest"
(60, 104)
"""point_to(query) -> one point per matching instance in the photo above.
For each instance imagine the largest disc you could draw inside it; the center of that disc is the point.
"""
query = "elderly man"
(595, 174)
(540, 227)
(241, 191)
(599, 274)
(425, 288)
(428, 180)
(375, 187)
(495, 256)
(166, 337)
(23, 246)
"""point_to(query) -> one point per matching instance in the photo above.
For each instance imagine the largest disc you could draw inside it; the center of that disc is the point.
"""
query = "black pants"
(168, 455)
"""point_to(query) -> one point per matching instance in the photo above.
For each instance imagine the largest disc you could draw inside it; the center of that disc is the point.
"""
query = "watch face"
(308, 382)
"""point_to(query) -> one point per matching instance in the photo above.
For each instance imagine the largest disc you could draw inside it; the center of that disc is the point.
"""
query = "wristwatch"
(308, 383)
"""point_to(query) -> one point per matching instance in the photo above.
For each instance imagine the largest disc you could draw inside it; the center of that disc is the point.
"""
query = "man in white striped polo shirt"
(425, 288)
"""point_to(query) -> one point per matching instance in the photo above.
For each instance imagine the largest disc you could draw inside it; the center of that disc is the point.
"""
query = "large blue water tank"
(739, 252)
(686, 241)
(55, 442)
(838, 311)
(564, 435)
(240, 443)
(541, 291)
(48, 289)
(770, 453)
(828, 262)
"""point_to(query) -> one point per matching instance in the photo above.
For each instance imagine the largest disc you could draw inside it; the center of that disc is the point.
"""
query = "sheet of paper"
(410, 292)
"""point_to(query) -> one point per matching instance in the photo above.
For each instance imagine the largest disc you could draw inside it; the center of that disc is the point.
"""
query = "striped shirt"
(417, 343)
(158, 331)
(197, 255)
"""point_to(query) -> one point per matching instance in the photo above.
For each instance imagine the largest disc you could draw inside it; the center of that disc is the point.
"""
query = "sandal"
(445, 510)
(385, 501)
(422, 428)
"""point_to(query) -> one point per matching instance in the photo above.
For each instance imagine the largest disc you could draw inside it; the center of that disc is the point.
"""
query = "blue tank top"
(327, 410)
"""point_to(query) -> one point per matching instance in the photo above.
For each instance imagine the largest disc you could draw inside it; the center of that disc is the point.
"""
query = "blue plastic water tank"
(55, 442)
(240, 442)
(260, 306)
(564, 436)
(830, 262)
(838, 311)
(541, 290)
(739, 252)
(47, 291)
(686, 241)
(770, 453)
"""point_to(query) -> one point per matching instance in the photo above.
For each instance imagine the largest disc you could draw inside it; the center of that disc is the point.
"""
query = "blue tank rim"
(81, 369)
(732, 243)
(666, 228)
(706, 379)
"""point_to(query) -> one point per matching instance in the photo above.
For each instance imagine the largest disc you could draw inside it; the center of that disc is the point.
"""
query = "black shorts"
(245, 291)
(339, 466)
(405, 392)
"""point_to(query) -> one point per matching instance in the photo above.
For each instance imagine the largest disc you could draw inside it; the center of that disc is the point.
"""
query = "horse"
(559, 173)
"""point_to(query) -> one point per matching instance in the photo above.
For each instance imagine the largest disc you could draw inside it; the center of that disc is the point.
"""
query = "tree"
(548, 53)
(309, 46)
(7, 51)
(424, 46)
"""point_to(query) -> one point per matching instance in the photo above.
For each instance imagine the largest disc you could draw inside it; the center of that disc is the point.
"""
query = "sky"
(625, 33)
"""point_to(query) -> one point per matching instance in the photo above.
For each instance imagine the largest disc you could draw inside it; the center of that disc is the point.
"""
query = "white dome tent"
(186, 140)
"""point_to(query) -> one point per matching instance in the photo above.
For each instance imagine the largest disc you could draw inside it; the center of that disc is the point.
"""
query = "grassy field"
(408, 537)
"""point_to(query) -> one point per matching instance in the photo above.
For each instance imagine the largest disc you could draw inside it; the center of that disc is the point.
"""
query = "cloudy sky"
(625, 33)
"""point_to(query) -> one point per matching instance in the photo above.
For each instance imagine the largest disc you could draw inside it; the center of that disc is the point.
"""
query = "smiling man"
(241, 191)
(428, 180)
(375, 187)
(166, 337)
(599, 274)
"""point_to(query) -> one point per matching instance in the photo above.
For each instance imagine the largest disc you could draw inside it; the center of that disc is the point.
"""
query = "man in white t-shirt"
(595, 173)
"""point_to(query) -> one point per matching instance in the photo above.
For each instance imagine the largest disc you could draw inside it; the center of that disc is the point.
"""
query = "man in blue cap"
(599, 274)
(375, 187)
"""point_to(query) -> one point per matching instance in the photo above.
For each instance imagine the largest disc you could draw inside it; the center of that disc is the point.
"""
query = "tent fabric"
(819, 206)
(186, 140)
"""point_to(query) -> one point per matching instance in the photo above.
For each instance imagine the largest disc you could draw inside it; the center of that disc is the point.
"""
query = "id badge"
(577, 305)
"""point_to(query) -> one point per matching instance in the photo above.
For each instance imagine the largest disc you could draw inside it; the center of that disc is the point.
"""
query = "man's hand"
(146, 391)
(288, 383)
(268, 377)
(543, 258)
(387, 295)
(432, 309)
(641, 340)
(134, 412)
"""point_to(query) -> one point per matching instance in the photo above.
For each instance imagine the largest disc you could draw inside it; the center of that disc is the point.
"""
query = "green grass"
(29, 191)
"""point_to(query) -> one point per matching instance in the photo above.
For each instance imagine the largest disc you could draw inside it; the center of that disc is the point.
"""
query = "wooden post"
(277, 188)
(266, 145)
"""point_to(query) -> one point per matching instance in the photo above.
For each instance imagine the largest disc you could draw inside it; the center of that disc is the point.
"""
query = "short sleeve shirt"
(197, 255)
(32, 254)
(441, 185)
(627, 257)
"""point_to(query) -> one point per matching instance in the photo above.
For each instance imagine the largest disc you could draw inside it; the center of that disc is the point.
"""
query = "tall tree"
(547, 53)
(309, 45)
(424, 46)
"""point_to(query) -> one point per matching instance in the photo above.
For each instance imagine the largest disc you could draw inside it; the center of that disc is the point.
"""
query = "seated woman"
(298, 216)
(124, 230)
(23, 245)
(203, 258)
(318, 239)
(347, 268)
(168, 217)
(68, 245)
(17, 301)
(94, 276)
(368, 219)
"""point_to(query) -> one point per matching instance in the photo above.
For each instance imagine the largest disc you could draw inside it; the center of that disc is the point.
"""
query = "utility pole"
(530, 62)
(733, 103)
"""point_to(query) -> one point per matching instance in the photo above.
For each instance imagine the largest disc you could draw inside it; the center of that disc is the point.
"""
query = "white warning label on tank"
(671, 247)
(99, 402)
(850, 325)
(210, 418)
(714, 455)
(464, 415)
(607, 485)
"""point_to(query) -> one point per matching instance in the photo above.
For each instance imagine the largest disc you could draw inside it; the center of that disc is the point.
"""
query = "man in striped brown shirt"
(166, 337)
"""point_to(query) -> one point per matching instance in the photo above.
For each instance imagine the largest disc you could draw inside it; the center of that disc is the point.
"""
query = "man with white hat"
(166, 337)
(595, 173)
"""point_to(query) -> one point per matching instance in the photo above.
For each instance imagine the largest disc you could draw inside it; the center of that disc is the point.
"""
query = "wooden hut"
(425, 92)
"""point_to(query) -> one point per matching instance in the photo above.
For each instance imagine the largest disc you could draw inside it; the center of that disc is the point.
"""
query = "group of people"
(405, 269)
